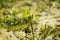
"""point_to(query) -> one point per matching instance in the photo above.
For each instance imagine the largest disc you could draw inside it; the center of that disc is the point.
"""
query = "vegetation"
(31, 19)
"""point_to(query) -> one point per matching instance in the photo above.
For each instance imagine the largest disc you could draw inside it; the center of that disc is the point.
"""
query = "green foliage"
(26, 4)
(14, 16)
(58, 1)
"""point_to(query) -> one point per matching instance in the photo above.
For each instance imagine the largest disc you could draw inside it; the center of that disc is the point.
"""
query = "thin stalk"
(32, 31)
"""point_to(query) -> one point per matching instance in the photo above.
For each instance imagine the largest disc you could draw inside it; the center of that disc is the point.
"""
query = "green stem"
(32, 31)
